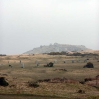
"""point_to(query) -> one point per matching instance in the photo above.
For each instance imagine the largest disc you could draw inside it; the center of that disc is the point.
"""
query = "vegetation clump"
(81, 91)
(89, 65)
(3, 82)
(73, 54)
(49, 65)
(33, 84)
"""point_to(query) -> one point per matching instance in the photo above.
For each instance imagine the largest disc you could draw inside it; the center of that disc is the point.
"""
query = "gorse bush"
(3, 82)
(33, 84)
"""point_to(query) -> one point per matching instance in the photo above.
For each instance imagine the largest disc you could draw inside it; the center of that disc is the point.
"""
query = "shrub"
(33, 84)
(89, 65)
(3, 82)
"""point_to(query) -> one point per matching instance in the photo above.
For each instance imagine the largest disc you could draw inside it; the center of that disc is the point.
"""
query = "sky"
(27, 24)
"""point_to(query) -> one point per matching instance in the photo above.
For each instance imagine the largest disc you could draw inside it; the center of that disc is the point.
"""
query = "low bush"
(33, 84)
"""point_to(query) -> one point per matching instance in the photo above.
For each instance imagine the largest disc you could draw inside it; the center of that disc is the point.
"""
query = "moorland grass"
(19, 77)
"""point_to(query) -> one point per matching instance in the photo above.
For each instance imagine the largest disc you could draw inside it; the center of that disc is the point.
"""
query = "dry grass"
(18, 77)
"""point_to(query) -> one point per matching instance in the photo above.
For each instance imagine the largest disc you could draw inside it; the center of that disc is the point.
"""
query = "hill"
(56, 48)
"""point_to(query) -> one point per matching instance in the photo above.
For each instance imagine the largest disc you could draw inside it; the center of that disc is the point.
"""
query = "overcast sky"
(26, 24)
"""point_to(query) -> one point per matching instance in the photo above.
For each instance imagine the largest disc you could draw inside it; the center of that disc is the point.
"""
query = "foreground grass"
(63, 90)
(40, 97)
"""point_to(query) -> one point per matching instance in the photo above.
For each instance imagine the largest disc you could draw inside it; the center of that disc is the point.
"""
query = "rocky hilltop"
(56, 48)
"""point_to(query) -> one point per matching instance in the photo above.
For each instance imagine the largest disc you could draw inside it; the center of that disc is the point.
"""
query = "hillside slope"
(56, 48)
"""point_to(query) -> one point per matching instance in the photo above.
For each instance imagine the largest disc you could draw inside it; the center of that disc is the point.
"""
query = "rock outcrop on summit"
(56, 48)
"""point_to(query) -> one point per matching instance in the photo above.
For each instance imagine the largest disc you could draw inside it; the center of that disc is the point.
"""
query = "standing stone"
(72, 61)
(37, 63)
(64, 61)
(55, 61)
(22, 66)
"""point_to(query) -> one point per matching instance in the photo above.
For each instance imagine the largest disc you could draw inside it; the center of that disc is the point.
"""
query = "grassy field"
(18, 77)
